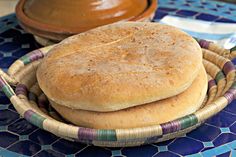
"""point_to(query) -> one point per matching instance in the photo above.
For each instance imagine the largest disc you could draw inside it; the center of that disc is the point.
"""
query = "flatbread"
(120, 66)
(143, 115)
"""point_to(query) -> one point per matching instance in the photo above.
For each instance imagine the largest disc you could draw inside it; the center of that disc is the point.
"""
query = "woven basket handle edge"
(5, 87)
(8, 78)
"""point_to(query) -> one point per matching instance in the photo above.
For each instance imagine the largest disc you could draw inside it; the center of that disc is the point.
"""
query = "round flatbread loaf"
(119, 66)
(143, 115)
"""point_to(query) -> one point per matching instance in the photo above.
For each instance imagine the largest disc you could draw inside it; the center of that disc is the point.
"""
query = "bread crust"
(143, 115)
(120, 66)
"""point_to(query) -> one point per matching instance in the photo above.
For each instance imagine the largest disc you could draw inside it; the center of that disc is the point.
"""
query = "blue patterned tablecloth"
(19, 138)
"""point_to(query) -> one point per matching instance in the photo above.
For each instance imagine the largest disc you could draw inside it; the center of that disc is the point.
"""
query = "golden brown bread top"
(119, 66)
(143, 115)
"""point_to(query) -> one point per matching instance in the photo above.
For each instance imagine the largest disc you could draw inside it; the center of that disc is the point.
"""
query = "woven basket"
(32, 104)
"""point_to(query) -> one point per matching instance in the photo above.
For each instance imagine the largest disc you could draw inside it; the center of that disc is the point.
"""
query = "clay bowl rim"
(36, 25)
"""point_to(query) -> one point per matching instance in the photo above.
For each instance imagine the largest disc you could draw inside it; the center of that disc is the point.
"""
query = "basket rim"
(91, 134)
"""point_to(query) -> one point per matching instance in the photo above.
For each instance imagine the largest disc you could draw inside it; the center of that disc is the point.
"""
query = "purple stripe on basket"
(2, 83)
(32, 97)
(211, 83)
(21, 89)
(228, 67)
(232, 91)
(28, 114)
(86, 133)
(43, 102)
(229, 96)
(170, 127)
(35, 55)
(204, 43)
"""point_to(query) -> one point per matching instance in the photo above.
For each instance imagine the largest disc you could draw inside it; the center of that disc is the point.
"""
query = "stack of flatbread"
(124, 75)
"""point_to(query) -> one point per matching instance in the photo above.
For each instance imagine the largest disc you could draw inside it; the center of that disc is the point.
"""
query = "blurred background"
(8, 6)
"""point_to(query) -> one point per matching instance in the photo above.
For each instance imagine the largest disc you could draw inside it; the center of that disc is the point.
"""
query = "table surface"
(216, 137)
(7, 6)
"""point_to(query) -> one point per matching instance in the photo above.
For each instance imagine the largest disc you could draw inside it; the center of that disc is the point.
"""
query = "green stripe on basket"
(6, 89)
(220, 75)
(25, 59)
(37, 120)
(106, 135)
(188, 121)
(233, 85)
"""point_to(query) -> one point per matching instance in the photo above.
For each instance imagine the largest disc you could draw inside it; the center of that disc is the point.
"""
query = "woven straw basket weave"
(32, 104)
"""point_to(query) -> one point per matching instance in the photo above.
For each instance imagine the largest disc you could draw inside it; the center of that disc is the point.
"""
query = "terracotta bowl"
(55, 20)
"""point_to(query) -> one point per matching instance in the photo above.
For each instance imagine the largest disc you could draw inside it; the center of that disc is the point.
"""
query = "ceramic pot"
(57, 19)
